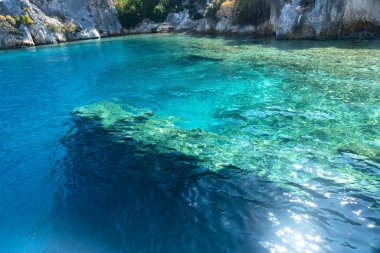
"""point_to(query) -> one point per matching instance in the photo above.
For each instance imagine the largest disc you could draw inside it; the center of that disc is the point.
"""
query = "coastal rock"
(329, 19)
(42, 35)
(91, 19)
(266, 28)
(86, 34)
(150, 27)
(296, 19)
(104, 15)
(145, 27)
(243, 29)
(206, 25)
(288, 19)
(165, 28)
(22, 39)
(224, 27)
(176, 19)
(27, 37)
(187, 25)
(86, 14)
(182, 21)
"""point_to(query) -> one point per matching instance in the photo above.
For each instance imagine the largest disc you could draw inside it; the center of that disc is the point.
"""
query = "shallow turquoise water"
(300, 127)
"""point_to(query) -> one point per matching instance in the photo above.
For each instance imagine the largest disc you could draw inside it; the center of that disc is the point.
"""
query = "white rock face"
(222, 26)
(85, 34)
(177, 18)
(206, 25)
(27, 39)
(290, 19)
(145, 27)
(93, 19)
(329, 18)
(23, 39)
(245, 29)
(286, 21)
(87, 14)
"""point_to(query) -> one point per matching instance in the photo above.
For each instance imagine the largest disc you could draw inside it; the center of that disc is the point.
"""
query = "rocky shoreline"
(55, 21)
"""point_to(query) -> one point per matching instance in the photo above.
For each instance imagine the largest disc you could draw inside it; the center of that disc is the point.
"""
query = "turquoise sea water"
(297, 168)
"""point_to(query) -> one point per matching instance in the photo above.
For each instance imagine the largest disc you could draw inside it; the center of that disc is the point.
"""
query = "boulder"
(21, 39)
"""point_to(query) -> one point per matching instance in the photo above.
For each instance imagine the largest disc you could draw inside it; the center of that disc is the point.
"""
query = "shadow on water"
(116, 199)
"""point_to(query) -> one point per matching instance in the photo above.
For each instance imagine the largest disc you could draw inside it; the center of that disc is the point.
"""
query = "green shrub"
(213, 8)
(8, 24)
(9, 28)
(245, 11)
(61, 17)
(307, 3)
(253, 12)
(25, 9)
(67, 28)
(70, 27)
(132, 12)
(11, 20)
(54, 28)
(193, 12)
(24, 19)
(129, 12)
(159, 12)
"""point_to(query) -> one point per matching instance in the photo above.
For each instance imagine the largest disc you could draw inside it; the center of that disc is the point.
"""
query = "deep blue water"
(302, 117)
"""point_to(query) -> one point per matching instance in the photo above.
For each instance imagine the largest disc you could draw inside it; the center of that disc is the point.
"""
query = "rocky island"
(25, 23)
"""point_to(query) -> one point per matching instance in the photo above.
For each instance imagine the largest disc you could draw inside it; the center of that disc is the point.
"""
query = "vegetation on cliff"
(244, 12)
(67, 28)
(12, 24)
(253, 12)
(132, 12)
(8, 24)
(24, 19)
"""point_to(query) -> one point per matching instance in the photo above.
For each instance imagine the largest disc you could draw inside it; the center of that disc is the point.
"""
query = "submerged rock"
(151, 134)
(155, 135)
(195, 57)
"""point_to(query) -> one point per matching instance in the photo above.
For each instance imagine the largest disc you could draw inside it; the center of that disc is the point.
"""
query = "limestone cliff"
(290, 19)
(56, 21)
(297, 19)
(328, 19)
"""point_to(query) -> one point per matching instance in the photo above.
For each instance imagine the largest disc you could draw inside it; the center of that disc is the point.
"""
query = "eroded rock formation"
(328, 18)
(57, 21)
(293, 19)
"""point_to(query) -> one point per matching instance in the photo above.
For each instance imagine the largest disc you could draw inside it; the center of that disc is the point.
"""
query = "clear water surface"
(308, 111)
